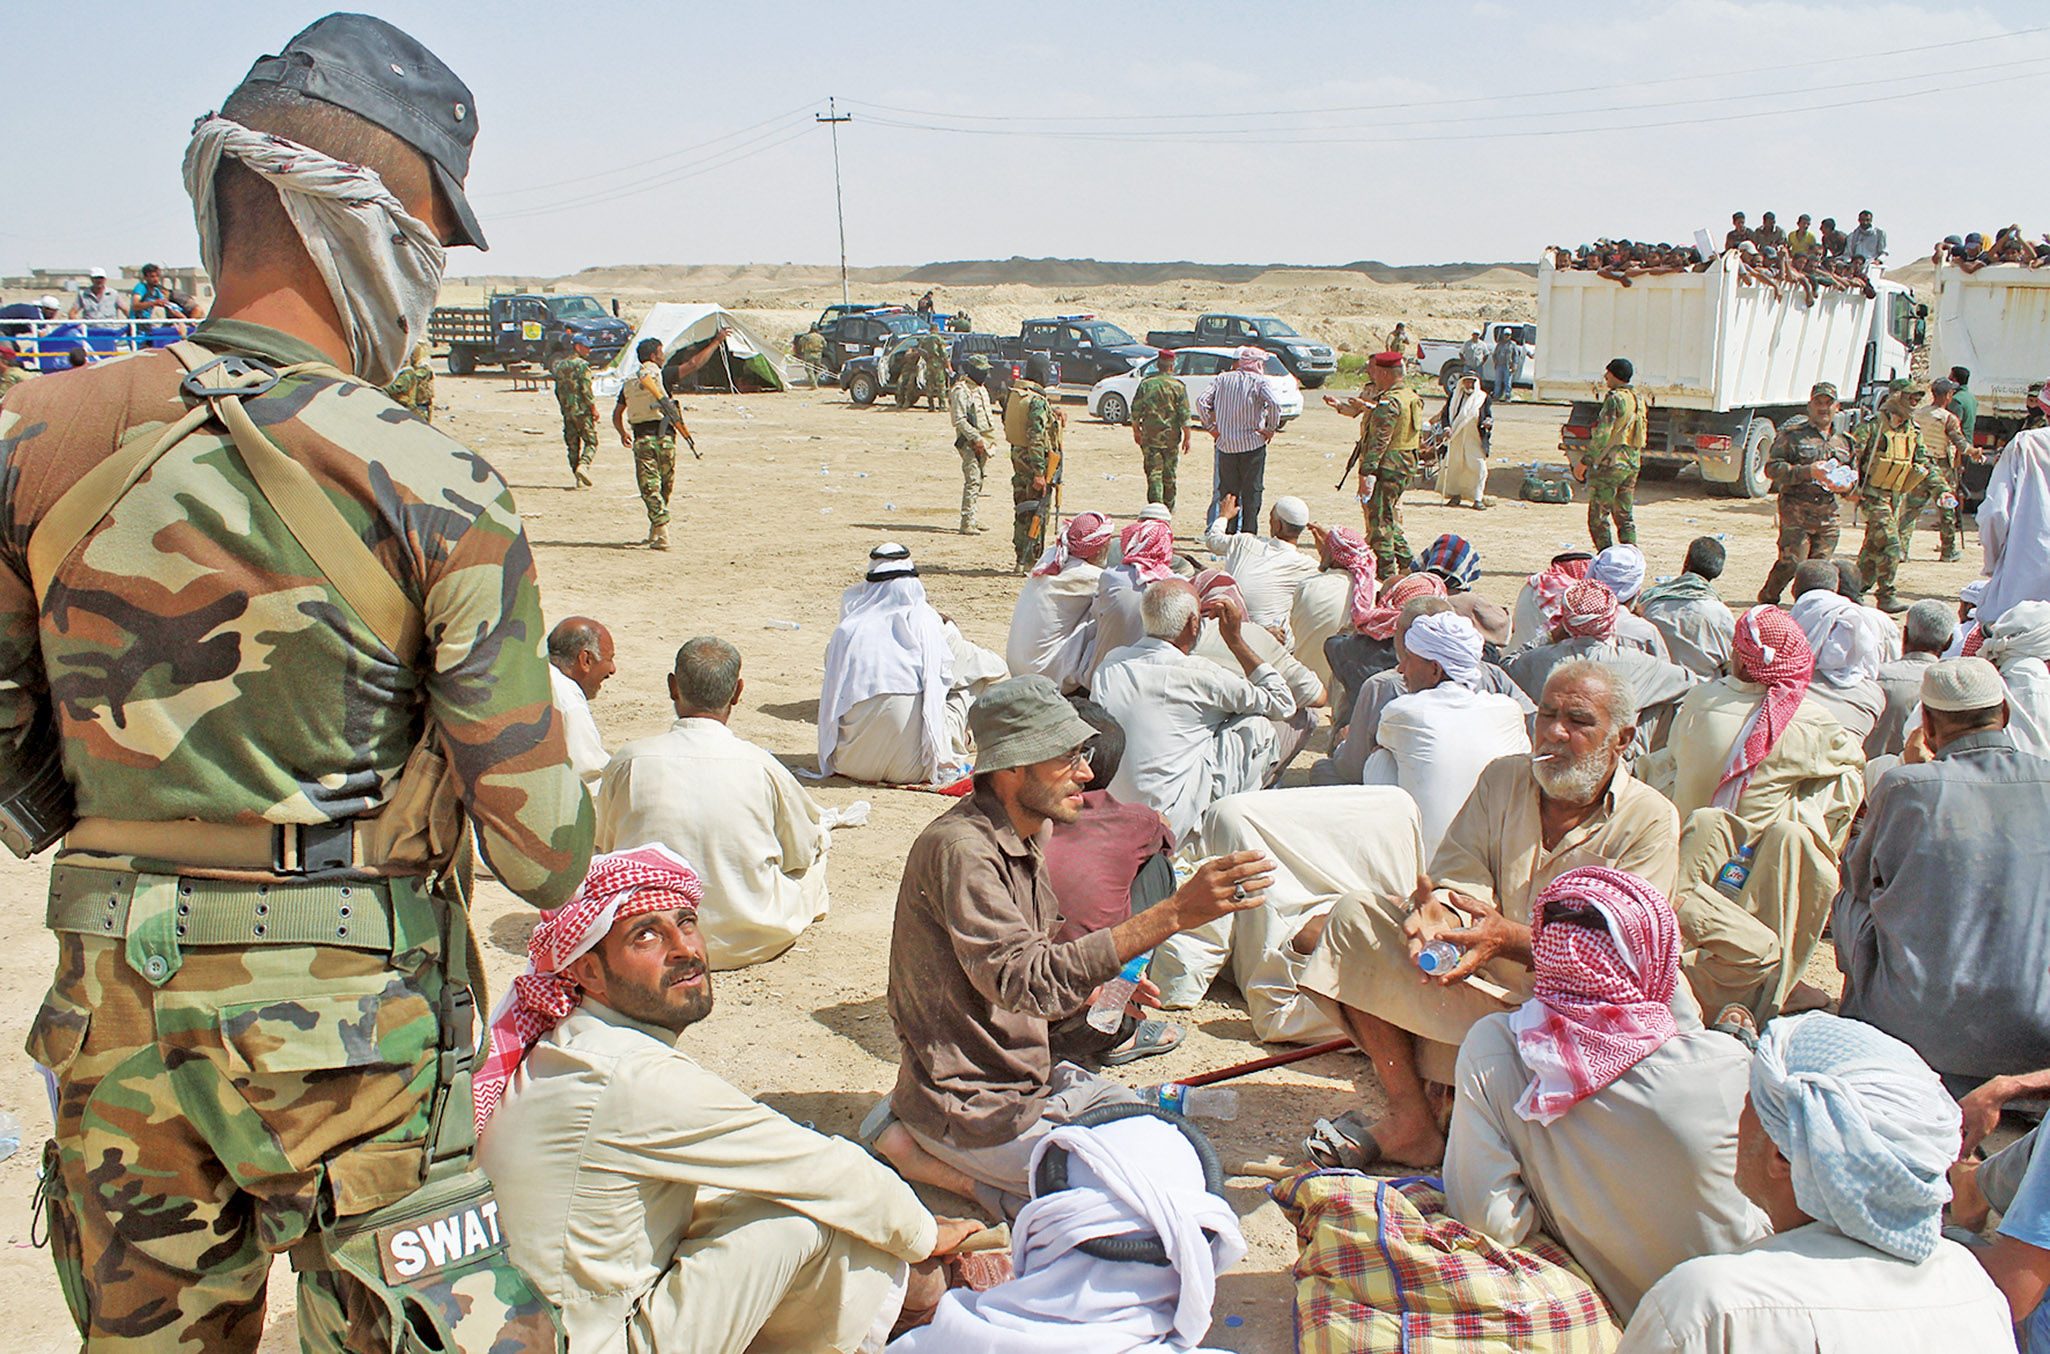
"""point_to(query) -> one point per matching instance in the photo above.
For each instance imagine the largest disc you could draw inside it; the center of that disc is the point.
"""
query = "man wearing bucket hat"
(975, 973)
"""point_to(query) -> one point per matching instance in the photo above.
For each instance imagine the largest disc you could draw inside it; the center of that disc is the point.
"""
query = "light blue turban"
(1866, 1126)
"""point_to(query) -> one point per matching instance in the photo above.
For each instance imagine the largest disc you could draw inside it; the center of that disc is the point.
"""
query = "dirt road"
(772, 524)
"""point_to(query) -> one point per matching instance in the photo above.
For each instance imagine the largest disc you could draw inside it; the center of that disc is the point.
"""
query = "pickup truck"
(852, 332)
(1084, 348)
(860, 376)
(1310, 362)
(521, 327)
(1440, 357)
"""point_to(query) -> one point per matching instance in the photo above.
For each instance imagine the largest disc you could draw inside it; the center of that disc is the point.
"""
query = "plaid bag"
(1383, 1270)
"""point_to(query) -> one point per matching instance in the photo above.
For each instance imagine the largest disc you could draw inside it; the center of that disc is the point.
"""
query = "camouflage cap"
(1822, 390)
(978, 362)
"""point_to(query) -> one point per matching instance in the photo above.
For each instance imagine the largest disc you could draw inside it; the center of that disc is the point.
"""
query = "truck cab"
(514, 327)
(1310, 362)
(860, 331)
(1087, 349)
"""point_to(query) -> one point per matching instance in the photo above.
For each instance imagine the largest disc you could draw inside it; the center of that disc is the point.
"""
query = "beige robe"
(1494, 850)
(1796, 812)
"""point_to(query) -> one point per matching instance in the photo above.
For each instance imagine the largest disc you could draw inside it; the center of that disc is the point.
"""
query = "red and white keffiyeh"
(1251, 359)
(1588, 611)
(1085, 534)
(1603, 1000)
(1551, 586)
(1350, 552)
(1148, 546)
(1770, 649)
(1217, 583)
(1380, 621)
(619, 885)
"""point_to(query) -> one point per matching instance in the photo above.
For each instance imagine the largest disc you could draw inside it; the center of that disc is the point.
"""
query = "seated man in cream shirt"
(579, 661)
(663, 1210)
(757, 839)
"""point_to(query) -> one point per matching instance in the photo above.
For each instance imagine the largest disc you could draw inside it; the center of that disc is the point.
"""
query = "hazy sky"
(683, 133)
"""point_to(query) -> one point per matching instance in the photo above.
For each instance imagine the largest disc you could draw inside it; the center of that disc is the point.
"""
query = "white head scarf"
(1842, 635)
(2023, 631)
(381, 265)
(1620, 568)
(888, 642)
(1449, 640)
(1866, 1126)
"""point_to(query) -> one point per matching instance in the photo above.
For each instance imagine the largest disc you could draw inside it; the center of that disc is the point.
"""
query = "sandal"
(1343, 1144)
(1151, 1039)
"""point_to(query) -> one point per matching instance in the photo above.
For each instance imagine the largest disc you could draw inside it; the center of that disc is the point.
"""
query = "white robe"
(1465, 474)
(1051, 630)
(587, 755)
(2014, 526)
(1434, 744)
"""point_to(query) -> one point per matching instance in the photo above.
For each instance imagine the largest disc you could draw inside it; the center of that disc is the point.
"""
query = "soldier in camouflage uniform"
(974, 433)
(653, 440)
(1030, 415)
(413, 387)
(1944, 439)
(932, 368)
(1160, 425)
(1807, 511)
(579, 406)
(810, 347)
(1390, 436)
(255, 982)
(1891, 461)
(1613, 459)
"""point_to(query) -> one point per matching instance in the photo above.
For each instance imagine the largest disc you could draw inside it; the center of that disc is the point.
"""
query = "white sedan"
(1111, 398)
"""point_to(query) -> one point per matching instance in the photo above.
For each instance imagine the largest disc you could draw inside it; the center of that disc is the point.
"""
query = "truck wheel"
(861, 388)
(461, 362)
(1112, 409)
(1311, 381)
(1752, 481)
(1448, 377)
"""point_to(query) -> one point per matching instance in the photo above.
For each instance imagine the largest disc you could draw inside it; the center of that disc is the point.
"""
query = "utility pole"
(833, 119)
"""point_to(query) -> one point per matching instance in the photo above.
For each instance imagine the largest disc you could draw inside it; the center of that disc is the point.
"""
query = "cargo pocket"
(333, 1068)
(59, 1222)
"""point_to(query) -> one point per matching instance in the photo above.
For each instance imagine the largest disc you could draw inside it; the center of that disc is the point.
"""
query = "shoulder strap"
(307, 512)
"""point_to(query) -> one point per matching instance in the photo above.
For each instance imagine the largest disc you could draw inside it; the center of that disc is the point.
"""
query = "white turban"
(1620, 568)
(1843, 635)
(1866, 1126)
(2023, 631)
(1449, 640)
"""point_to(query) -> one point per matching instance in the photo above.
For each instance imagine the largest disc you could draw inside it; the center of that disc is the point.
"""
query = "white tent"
(679, 324)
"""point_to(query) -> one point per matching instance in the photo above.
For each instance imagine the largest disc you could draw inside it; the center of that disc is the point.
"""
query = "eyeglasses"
(1077, 759)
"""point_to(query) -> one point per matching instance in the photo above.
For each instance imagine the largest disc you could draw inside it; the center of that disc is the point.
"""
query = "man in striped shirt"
(1239, 410)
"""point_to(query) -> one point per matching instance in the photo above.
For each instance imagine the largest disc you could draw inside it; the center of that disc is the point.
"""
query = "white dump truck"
(1724, 364)
(1996, 324)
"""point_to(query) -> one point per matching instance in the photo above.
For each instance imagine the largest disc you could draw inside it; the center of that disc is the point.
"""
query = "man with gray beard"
(1569, 802)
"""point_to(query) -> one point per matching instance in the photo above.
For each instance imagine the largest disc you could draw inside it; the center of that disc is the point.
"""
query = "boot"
(583, 480)
(1889, 603)
(658, 537)
(971, 527)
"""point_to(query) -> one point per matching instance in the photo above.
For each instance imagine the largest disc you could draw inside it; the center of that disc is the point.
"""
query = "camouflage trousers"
(1940, 484)
(212, 1116)
(580, 436)
(1026, 466)
(1880, 556)
(1384, 524)
(973, 468)
(655, 473)
(1807, 530)
(1160, 462)
(1612, 496)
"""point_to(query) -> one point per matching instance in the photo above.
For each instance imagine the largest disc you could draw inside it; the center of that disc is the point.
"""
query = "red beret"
(1387, 359)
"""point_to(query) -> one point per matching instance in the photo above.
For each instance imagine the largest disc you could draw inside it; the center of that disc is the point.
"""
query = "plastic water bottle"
(1438, 957)
(1107, 1012)
(781, 625)
(1729, 880)
(10, 1135)
(1208, 1102)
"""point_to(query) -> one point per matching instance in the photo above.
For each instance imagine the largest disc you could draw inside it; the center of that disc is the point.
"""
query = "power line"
(654, 160)
(732, 156)
(1215, 139)
(833, 118)
(1918, 50)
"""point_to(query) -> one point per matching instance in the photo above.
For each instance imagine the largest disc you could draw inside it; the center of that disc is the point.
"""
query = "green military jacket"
(1618, 439)
(1160, 409)
(1797, 446)
(573, 387)
(201, 667)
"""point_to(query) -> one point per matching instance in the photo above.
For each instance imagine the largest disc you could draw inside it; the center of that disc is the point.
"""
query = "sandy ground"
(793, 491)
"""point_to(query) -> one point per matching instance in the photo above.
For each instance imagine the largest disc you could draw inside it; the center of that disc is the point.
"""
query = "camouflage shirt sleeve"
(1610, 423)
(1380, 430)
